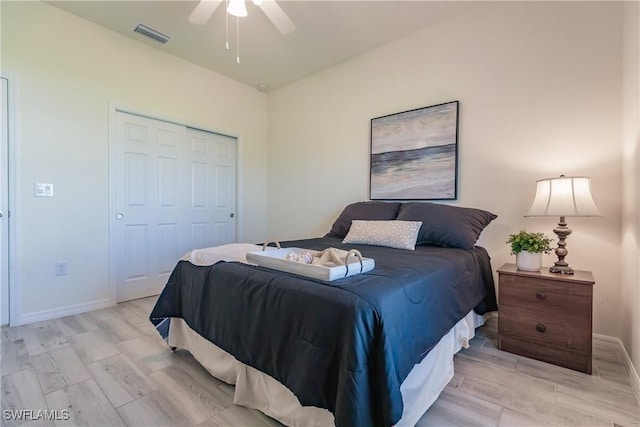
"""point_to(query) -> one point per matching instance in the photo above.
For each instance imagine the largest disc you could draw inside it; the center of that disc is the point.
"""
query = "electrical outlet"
(61, 268)
(42, 190)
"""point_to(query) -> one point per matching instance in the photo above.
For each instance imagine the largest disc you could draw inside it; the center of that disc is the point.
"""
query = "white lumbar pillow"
(393, 234)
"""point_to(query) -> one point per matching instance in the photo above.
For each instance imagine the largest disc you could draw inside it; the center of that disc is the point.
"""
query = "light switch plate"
(42, 190)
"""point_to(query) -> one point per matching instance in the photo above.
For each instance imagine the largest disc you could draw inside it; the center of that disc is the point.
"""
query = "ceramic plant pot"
(529, 261)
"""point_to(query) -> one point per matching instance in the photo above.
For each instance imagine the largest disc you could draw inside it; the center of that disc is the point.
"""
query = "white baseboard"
(626, 361)
(38, 316)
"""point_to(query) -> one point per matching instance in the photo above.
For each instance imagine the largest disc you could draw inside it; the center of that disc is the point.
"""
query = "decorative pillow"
(446, 225)
(394, 234)
(362, 210)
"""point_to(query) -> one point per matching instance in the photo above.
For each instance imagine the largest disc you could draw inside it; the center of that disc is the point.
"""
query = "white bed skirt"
(257, 390)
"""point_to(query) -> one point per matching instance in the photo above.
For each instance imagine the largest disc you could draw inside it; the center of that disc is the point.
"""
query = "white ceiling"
(327, 32)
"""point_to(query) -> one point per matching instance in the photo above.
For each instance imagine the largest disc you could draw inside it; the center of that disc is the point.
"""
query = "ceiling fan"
(205, 9)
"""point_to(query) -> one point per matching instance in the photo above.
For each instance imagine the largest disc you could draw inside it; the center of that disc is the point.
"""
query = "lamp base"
(564, 269)
(562, 231)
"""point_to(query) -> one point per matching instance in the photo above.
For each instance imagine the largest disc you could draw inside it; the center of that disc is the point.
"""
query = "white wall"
(539, 86)
(631, 183)
(65, 71)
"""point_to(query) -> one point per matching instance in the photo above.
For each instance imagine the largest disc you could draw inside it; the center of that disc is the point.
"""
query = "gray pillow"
(446, 225)
(362, 210)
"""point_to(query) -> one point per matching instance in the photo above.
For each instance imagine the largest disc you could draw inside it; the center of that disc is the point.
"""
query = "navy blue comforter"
(345, 345)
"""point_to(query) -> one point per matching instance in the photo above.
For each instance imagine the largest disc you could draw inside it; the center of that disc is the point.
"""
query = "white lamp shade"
(564, 196)
(237, 8)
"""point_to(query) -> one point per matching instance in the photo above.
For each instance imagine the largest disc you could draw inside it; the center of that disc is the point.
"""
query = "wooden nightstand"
(546, 316)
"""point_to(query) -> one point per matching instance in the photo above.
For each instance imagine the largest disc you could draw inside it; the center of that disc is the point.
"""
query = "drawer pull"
(540, 327)
(541, 296)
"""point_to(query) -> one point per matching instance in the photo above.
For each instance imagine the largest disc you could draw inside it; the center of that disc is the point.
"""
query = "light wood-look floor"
(110, 368)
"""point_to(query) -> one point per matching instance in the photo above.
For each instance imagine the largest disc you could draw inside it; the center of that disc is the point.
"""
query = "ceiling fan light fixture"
(237, 8)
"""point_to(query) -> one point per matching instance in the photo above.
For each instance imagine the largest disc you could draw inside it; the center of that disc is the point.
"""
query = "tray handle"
(356, 253)
(264, 247)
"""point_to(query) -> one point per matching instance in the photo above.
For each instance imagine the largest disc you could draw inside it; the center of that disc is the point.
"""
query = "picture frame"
(414, 154)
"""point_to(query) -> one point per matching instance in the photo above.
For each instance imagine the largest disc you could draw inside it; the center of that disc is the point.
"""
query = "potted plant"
(528, 249)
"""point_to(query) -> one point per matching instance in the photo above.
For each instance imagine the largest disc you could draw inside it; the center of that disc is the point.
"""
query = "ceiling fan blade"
(275, 13)
(203, 11)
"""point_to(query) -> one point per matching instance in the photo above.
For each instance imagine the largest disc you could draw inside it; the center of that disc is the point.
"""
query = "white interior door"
(213, 188)
(4, 201)
(167, 195)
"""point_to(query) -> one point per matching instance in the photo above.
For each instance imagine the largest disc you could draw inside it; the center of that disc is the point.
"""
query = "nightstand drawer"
(563, 331)
(568, 359)
(553, 298)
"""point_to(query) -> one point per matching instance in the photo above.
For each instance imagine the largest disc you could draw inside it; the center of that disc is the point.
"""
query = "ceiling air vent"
(151, 33)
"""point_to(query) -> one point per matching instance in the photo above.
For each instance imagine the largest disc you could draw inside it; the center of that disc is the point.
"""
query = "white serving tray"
(275, 259)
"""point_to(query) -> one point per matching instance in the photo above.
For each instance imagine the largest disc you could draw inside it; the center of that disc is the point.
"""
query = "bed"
(373, 349)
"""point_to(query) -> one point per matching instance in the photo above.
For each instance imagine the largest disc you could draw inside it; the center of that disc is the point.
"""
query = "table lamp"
(564, 196)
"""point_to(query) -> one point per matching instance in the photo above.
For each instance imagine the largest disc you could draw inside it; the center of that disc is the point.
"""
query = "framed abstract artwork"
(414, 154)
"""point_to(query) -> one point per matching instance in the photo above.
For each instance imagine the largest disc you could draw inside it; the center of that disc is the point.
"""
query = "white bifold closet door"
(174, 190)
